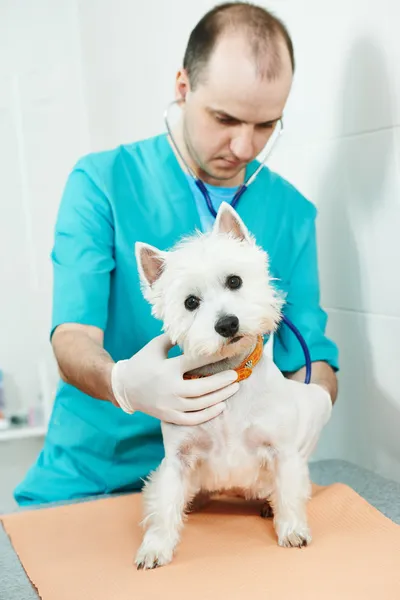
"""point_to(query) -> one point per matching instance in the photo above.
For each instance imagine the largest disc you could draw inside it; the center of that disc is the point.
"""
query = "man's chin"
(223, 172)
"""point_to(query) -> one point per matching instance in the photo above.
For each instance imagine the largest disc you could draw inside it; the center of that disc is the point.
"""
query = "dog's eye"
(192, 302)
(233, 282)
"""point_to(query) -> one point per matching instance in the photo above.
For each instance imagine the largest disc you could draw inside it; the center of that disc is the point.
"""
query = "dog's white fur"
(252, 447)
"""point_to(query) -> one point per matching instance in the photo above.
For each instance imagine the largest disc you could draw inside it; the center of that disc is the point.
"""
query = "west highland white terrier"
(214, 294)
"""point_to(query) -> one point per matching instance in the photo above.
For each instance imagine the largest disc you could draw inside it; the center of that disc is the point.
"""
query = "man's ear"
(228, 221)
(182, 86)
(150, 261)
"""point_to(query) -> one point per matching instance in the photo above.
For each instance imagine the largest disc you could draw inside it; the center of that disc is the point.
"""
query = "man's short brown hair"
(263, 30)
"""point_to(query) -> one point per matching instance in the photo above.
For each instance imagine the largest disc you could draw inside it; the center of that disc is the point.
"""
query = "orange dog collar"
(245, 369)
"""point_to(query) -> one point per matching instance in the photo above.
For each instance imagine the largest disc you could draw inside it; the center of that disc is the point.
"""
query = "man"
(116, 380)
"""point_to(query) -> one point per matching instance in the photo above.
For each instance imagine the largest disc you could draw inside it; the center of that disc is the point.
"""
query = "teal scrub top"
(111, 200)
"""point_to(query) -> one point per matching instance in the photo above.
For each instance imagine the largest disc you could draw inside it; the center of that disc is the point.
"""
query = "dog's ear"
(150, 261)
(228, 221)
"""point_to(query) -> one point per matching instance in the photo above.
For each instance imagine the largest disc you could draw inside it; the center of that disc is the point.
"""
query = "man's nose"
(242, 144)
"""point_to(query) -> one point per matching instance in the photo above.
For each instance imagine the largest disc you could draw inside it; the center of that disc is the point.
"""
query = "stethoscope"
(239, 193)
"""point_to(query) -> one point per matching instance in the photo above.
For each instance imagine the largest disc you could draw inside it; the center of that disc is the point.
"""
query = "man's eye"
(225, 121)
(267, 125)
(192, 302)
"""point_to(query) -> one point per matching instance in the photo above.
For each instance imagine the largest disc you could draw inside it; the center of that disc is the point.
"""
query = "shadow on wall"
(367, 419)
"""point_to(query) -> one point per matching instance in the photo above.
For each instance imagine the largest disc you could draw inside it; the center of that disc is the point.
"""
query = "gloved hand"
(315, 408)
(152, 383)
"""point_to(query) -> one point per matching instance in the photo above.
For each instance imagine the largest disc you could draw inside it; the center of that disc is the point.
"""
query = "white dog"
(213, 293)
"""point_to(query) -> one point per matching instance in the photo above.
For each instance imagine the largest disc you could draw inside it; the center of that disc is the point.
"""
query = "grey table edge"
(382, 493)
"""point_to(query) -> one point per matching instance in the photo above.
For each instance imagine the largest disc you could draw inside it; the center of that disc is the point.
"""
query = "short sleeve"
(302, 308)
(83, 252)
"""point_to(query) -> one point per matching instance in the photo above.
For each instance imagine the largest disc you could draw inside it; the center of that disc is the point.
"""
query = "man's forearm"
(84, 363)
(322, 374)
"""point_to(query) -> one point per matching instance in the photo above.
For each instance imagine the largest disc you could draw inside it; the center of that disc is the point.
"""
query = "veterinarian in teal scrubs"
(140, 192)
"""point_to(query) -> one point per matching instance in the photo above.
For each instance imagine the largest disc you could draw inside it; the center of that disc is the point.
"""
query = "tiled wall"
(78, 76)
(342, 150)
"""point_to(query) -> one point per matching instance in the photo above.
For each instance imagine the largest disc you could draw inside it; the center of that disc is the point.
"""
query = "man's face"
(231, 114)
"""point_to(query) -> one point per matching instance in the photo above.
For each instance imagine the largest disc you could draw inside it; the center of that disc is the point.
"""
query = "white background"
(84, 75)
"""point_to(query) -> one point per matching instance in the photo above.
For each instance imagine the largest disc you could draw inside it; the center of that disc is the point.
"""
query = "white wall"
(43, 128)
(79, 75)
(343, 151)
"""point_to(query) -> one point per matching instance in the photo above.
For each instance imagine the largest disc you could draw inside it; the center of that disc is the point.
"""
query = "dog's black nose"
(227, 326)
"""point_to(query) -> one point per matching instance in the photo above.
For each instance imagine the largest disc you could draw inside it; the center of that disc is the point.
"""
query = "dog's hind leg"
(199, 501)
(266, 511)
(165, 497)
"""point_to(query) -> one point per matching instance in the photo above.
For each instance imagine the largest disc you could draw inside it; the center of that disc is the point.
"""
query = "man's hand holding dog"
(152, 383)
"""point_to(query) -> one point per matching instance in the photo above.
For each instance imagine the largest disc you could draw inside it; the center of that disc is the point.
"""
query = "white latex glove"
(315, 408)
(152, 383)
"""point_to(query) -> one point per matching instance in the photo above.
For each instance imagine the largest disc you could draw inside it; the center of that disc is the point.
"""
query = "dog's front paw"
(153, 554)
(293, 535)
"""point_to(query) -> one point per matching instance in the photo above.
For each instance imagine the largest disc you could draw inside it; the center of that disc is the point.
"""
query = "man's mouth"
(232, 163)
(229, 162)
